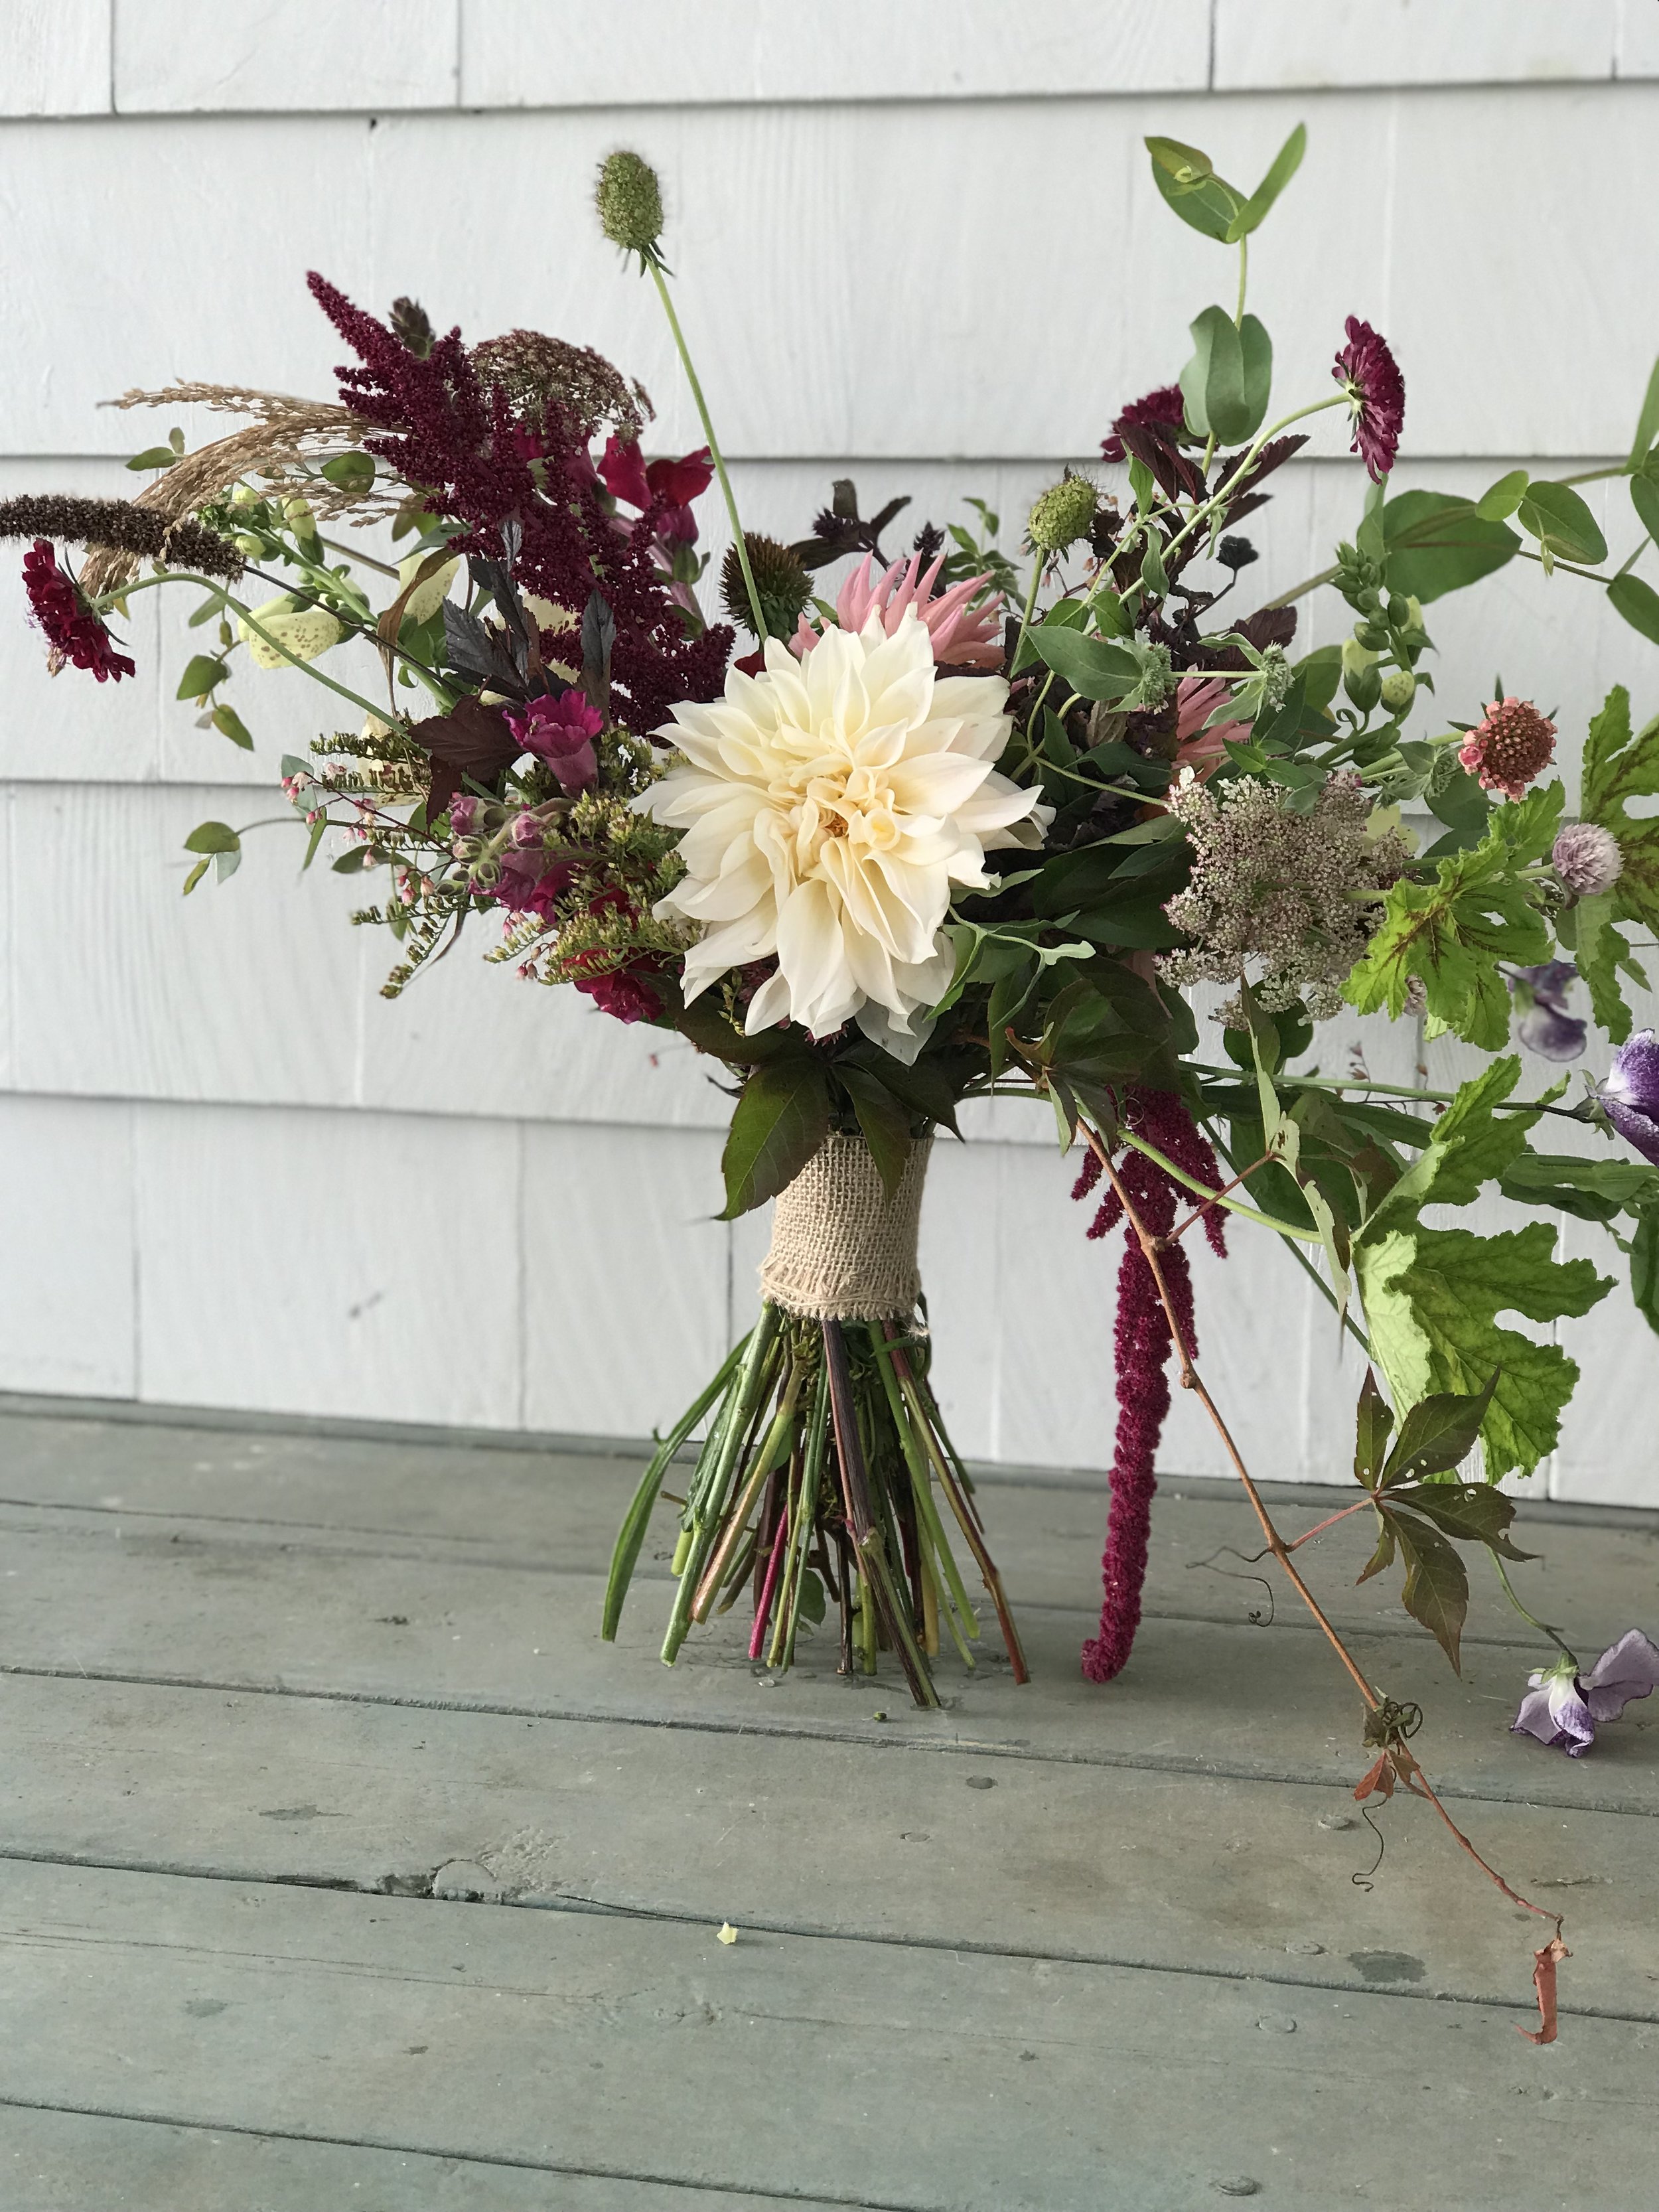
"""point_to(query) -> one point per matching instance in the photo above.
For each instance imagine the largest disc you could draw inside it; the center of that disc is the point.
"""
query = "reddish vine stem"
(1198, 1212)
(1394, 1753)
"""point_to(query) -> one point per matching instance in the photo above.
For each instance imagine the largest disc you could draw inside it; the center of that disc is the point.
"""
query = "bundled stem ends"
(826, 1474)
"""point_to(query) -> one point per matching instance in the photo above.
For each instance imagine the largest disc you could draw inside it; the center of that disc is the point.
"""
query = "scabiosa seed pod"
(1062, 514)
(629, 200)
(1587, 859)
(781, 580)
(1514, 745)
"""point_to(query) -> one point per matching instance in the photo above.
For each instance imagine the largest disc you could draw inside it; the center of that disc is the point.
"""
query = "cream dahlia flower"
(828, 805)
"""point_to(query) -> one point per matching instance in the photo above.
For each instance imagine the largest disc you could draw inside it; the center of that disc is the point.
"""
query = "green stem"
(208, 584)
(1299, 1255)
(1542, 1627)
(1641, 548)
(1030, 609)
(1244, 279)
(1233, 1204)
(631, 1536)
(1571, 568)
(1284, 599)
(1220, 497)
(737, 537)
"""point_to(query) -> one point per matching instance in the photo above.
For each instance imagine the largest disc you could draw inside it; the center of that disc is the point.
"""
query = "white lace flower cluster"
(1276, 887)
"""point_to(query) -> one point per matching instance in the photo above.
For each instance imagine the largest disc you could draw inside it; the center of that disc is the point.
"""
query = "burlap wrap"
(841, 1249)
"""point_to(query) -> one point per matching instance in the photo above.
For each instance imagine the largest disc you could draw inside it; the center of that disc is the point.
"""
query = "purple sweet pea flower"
(1629, 1093)
(560, 732)
(1563, 1709)
(1546, 1027)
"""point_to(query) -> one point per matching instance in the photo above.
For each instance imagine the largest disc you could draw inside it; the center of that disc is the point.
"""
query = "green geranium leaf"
(1620, 766)
(1432, 1296)
(1602, 950)
(782, 1118)
(1558, 519)
(1453, 933)
(1594, 1190)
(1437, 543)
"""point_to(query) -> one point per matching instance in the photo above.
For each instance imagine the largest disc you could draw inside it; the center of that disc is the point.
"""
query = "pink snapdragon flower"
(560, 732)
(962, 636)
(1203, 750)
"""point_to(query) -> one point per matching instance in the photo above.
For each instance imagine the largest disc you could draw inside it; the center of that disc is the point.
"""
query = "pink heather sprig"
(1142, 1345)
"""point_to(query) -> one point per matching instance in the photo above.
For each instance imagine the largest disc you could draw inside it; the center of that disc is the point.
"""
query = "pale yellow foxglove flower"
(429, 595)
(305, 632)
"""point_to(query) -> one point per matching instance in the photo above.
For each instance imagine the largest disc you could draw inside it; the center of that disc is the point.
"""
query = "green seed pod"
(1398, 688)
(1062, 514)
(1371, 635)
(629, 200)
(780, 582)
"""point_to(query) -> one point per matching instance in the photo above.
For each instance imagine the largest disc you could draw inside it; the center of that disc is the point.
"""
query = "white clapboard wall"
(915, 241)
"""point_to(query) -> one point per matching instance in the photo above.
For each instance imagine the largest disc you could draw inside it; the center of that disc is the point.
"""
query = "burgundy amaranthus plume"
(1142, 1349)
(441, 429)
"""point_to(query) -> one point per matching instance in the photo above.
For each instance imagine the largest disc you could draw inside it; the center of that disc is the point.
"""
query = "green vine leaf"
(1432, 1296)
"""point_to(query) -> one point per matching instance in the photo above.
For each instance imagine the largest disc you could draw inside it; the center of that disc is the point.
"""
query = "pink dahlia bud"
(1514, 745)
(1587, 859)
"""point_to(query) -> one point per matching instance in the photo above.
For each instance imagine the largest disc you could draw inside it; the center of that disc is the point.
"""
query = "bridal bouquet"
(955, 822)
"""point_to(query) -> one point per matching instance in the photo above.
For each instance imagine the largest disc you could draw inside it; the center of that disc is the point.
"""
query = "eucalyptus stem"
(738, 538)
(1264, 438)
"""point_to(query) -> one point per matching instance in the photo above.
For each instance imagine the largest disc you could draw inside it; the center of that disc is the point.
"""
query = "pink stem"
(763, 1610)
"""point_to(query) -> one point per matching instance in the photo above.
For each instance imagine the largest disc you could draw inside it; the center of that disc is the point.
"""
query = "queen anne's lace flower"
(1274, 886)
(830, 805)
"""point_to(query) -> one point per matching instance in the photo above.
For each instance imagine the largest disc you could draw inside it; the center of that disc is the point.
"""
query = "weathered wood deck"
(298, 1730)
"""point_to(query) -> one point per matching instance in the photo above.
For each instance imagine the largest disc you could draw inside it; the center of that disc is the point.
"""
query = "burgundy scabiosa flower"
(1587, 859)
(1142, 1346)
(1513, 744)
(1369, 375)
(1629, 1093)
(73, 631)
(1546, 1027)
(1164, 408)
(560, 732)
(1562, 1708)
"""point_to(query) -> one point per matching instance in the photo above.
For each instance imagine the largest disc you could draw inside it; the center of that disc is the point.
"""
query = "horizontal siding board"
(1277, 45)
(55, 57)
(186, 57)
(560, 53)
(124, 988)
(67, 1320)
(208, 282)
(288, 1263)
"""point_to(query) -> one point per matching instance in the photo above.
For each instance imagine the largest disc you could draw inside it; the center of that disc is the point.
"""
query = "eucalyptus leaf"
(1638, 603)
(212, 837)
(1644, 498)
(1437, 543)
(1563, 525)
(1285, 163)
(1647, 426)
(1093, 669)
(1499, 500)
(1190, 185)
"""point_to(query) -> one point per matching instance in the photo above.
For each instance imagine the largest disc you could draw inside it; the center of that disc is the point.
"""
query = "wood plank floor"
(343, 1864)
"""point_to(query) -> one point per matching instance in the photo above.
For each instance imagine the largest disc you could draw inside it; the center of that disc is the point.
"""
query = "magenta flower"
(1165, 409)
(1563, 1710)
(1629, 1093)
(560, 732)
(73, 631)
(662, 488)
(1370, 376)
(1546, 1027)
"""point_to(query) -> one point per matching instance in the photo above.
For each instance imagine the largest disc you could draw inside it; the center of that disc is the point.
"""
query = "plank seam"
(520, 2164)
(809, 1731)
(810, 1932)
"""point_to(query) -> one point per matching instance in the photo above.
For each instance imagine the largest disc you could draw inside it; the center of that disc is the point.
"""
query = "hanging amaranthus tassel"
(1142, 1349)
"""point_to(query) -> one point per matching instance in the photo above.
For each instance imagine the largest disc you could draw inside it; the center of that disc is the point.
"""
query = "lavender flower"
(1563, 1709)
(1587, 859)
(1546, 1027)
(1629, 1093)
